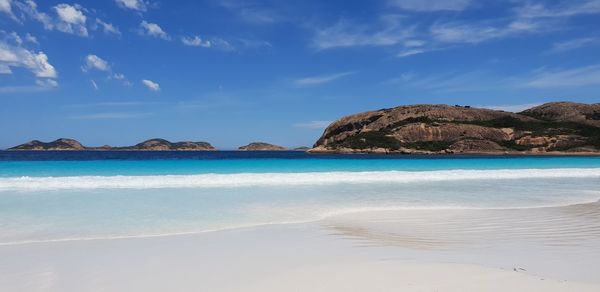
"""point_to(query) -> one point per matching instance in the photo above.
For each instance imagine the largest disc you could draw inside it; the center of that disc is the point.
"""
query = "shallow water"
(109, 195)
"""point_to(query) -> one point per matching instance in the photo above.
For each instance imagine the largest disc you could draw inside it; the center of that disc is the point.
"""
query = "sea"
(70, 195)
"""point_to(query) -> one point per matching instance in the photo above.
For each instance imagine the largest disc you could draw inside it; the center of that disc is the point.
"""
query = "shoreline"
(321, 220)
(300, 257)
(334, 152)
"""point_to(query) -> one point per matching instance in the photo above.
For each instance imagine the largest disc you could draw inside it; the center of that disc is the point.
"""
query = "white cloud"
(430, 5)
(573, 44)
(31, 39)
(5, 6)
(94, 85)
(17, 56)
(138, 5)
(71, 19)
(475, 33)
(410, 52)
(221, 44)
(95, 62)
(153, 30)
(562, 9)
(151, 85)
(313, 125)
(583, 76)
(108, 28)
(389, 31)
(321, 79)
(50, 83)
(29, 8)
(195, 41)
(120, 77)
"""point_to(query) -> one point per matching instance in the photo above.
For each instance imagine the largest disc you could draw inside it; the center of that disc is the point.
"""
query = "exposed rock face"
(164, 145)
(301, 148)
(261, 146)
(567, 112)
(553, 127)
(149, 145)
(60, 144)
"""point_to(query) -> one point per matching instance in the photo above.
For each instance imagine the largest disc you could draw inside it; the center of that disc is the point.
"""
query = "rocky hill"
(148, 145)
(60, 144)
(564, 127)
(261, 146)
(164, 145)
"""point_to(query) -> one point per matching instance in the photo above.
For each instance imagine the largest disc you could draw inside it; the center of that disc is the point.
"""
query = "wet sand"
(538, 249)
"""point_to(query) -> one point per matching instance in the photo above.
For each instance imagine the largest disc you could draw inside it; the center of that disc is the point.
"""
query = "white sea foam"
(282, 179)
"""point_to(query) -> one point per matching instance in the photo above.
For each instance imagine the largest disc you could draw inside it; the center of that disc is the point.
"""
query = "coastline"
(331, 152)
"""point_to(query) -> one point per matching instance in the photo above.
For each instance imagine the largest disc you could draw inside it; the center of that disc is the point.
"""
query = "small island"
(553, 128)
(261, 146)
(156, 144)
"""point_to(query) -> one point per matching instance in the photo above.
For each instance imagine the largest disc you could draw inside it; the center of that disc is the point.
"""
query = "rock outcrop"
(164, 145)
(261, 146)
(301, 148)
(148, 145)
(56, 145)
(550, 128)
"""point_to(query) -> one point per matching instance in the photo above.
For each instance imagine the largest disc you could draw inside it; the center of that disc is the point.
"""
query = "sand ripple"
(574, 225)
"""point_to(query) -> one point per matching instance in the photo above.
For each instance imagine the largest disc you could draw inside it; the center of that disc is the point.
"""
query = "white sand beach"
(543, 249)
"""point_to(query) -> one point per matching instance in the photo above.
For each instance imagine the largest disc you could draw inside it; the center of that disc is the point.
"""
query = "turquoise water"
(87, 196)
(280, 165)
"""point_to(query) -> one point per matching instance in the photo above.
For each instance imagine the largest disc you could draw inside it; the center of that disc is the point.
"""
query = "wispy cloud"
(313, 124)
(560, 9)
(321, 79)
(430, 5)
(25, 89)
(110, 116)
(252, 12)
(210, 43)
(573, 44)
(112, 104)
(107, 28)
(411, 35)
(195, 41)
(388, 31)
(582, 76)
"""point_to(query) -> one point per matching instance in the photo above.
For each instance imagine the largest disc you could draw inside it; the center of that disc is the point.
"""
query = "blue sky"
(229, 72)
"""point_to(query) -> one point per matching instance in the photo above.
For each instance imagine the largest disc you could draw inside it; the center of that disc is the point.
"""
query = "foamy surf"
(282, 179)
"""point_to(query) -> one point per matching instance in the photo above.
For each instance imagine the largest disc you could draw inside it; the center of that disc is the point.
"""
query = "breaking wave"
(282, 179)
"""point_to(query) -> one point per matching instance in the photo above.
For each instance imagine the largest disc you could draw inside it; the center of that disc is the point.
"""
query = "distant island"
(261, 146)
(551, 128)
(148, 145)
